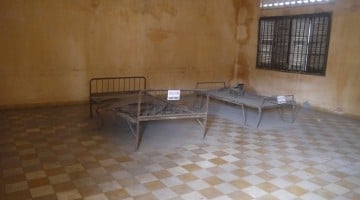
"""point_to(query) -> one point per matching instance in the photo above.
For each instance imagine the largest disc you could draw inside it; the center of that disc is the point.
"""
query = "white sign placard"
(173, 95)
(281, 99)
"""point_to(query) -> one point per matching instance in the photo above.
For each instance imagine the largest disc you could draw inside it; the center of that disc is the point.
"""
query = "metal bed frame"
(153, 105)
(106, 89)
(239, 97)
(135, 105)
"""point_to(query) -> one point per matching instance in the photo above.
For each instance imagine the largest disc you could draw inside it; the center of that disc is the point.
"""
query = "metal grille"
(294, 43)
(265, 4)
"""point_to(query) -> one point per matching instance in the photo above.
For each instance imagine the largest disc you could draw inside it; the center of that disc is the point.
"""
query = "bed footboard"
(153, 105)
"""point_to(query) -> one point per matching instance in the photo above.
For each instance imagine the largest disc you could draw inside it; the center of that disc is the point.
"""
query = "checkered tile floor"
(59, 153)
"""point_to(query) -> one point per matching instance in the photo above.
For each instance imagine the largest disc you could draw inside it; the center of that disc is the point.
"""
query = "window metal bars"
(294, 43)
(268, 4)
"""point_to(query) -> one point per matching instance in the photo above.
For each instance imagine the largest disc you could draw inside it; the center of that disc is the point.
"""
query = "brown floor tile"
(187, 177)
(162, 174)
(14, 179)
(154, 185)
(35, 175)
(123, 159)
(268, 197)
(117, 194)
(240, 195)
(181, 189)
(54, 171)
(60, 178)
(91, 164)
(210, 192)
(19, 195)
(78, 175)
(47, 197)
(213, 180)
(64, 186)
(241, 184)
(296, 190)
(148, 196)
(69, 195)
(38, 182)
(264, 175)
(42, 191)
(191, 167)
(241, 173)
(15, 187)
(292, 178)
(268, 187)
(218, 161)
(89, 190)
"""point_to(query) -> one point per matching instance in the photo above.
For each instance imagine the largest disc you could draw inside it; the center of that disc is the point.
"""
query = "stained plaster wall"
(338, 91)
(50, 49)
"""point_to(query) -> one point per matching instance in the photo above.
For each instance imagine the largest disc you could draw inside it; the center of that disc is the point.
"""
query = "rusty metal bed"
(104, 89)
(152, 105)
(238, 96)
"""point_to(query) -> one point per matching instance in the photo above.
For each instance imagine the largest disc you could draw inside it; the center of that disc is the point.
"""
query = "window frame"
(288, 38)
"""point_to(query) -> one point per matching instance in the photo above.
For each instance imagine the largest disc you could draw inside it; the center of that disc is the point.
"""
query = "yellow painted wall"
(338, 91)
(51, 48)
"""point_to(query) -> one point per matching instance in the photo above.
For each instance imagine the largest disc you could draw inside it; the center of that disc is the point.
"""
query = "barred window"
(294, 43)
(265, 4)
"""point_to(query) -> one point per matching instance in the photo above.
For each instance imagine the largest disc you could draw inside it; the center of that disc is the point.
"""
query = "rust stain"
(244, 17)
(341, 81)
(158, 35)
(247, 21)
(95, 4)
(237, 4)
(243, 68)
(155, 8)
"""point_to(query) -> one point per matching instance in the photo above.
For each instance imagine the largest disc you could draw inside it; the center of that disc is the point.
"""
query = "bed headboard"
(107, 88)
(113, 85)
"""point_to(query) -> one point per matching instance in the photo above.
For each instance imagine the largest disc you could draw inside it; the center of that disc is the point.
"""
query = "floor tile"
(60, 153)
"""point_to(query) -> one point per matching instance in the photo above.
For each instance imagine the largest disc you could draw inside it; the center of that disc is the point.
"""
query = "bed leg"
(101, 118)
(204, 124)
(90, 106)
(206, 115)
(138, 122)
(137, 135)
(293, 113)
(259, 117)
(281, 112)
(244, 114)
